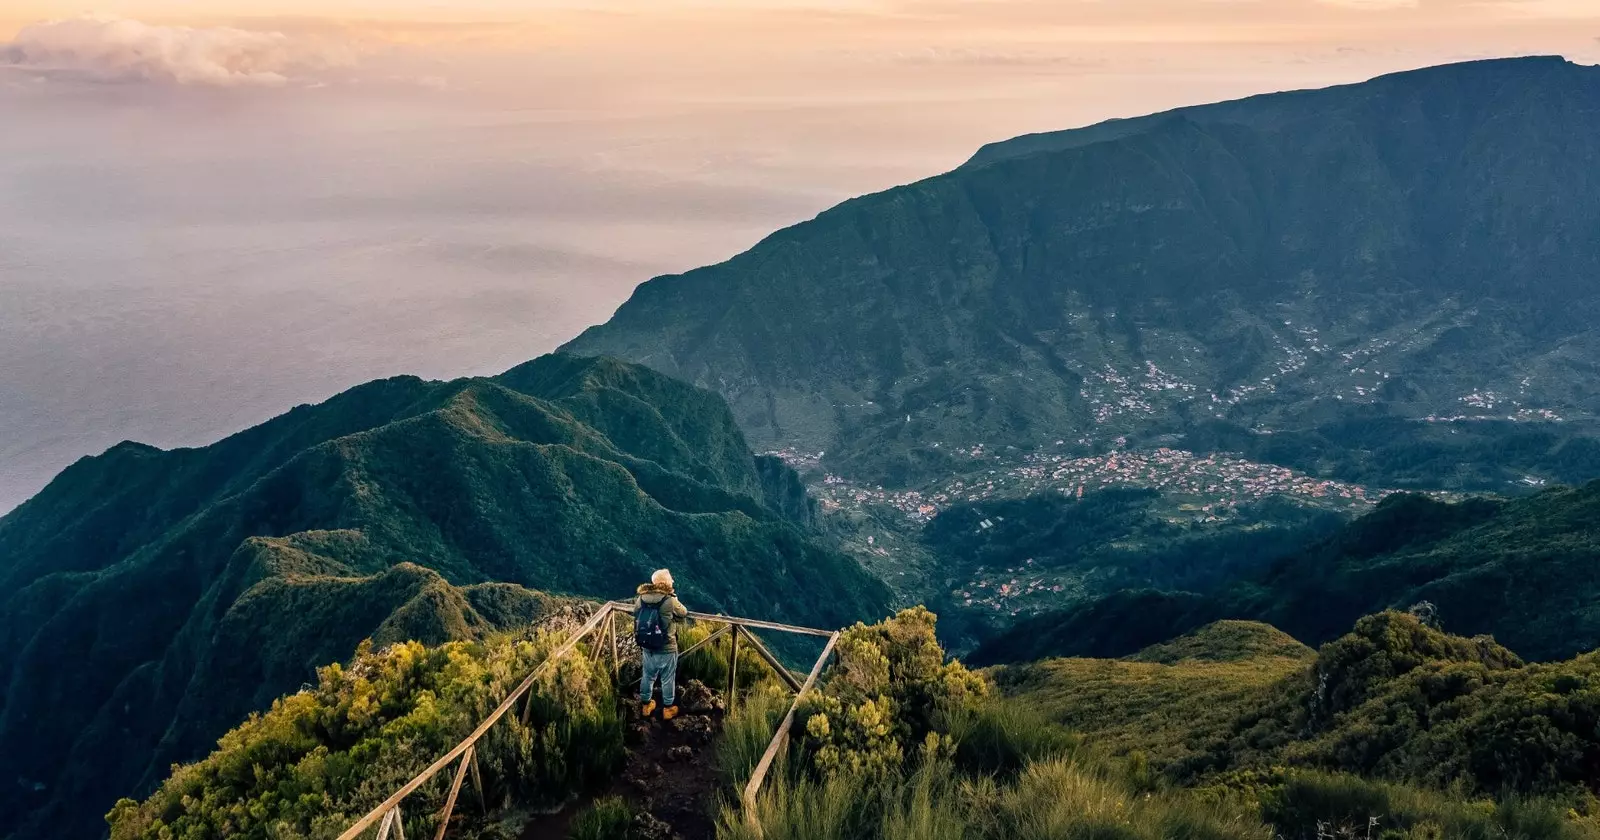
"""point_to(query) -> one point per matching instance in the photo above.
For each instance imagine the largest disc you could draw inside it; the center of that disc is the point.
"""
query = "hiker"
(654, 612)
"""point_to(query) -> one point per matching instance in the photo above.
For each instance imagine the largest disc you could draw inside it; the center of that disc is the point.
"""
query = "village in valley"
(1206, 486)
(1215, 492)
(880, 526)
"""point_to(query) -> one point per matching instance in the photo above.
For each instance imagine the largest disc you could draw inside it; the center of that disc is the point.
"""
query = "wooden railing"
(388, 817)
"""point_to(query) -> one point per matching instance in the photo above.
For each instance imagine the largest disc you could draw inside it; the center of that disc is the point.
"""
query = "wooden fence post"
(455, 790)
(477, 784)
(733, 669)
(616, 661)
(388, 823)
(772, 661)
(781, 738)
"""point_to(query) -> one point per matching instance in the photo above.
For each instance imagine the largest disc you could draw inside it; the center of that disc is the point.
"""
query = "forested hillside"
(1526, 571)
(1394, 698)
(150, 599)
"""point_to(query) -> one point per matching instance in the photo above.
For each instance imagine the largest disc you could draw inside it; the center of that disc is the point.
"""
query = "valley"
(1192, 495)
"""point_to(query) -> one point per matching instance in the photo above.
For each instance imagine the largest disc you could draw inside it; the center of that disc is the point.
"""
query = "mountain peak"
(1478, 74)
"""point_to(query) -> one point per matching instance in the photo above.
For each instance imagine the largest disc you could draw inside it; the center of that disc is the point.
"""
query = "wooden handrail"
(455, 790)
(388, 812)
(781, 737)
(721, 631)
(627, 607)
(772, 662)
(494, 717)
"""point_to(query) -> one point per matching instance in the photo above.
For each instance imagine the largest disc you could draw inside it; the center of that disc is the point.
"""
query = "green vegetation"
(1396, 731)
(191, 587)
(609, 818)
(884, 700)
(1056, 552)
(1394, 699)
(1006, 766)
(1534, 557)
(748, 730)
(322, 757)
(1171, 702)
(1306, 805)
(1228, 641)
(901, 744)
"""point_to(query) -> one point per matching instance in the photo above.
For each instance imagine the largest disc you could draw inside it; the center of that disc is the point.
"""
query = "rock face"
(696, 699)
(187, 588)
(1333, 266)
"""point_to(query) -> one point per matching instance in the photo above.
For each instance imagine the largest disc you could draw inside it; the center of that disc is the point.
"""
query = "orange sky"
(786, 22)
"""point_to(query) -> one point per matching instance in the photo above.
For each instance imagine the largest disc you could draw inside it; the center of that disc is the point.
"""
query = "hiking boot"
(669, 713)
(648, 709)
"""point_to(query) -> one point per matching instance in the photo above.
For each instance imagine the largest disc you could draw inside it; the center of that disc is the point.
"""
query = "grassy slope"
(1170, 702)
(1392, 699)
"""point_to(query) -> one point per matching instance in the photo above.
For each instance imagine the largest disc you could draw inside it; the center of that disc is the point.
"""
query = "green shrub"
(800, 807)
(748, 730)
(999, 736)
(885, 698)
(1310, 805)
(323, 757)
(609, 818)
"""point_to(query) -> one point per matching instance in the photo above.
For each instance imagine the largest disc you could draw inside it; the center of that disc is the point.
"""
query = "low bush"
(748, 730)
(1000, 737)
(886, 697)
(323, 757)
(609, 818)
(1311, 805)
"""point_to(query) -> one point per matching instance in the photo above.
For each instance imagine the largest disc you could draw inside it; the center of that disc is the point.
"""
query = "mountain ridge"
(191, 586)
(1417, 254)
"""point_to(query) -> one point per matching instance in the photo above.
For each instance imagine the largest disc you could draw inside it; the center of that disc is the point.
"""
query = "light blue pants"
(662, 665)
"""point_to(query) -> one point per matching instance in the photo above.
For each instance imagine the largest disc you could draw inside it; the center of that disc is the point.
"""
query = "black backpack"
(649, 630)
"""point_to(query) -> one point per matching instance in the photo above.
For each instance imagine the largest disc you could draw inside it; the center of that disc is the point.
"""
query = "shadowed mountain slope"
(1402, 254)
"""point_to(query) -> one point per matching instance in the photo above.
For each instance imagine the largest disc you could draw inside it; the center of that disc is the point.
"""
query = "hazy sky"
(211, 210)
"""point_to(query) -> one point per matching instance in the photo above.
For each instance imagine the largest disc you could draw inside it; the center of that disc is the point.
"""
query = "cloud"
(109, 49)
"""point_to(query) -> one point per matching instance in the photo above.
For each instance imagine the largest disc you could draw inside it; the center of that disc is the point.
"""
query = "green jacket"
(672, 611)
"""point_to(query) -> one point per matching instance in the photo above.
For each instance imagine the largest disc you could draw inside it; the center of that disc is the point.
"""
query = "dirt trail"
(669, 775)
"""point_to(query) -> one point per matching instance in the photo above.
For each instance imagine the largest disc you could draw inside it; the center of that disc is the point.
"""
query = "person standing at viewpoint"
(655, 611)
